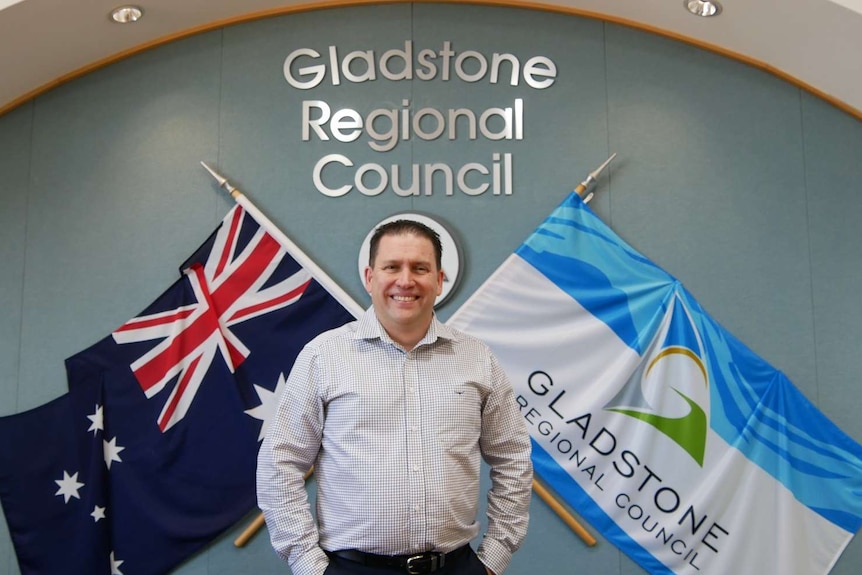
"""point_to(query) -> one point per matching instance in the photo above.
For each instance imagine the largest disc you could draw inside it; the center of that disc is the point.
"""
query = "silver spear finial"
(222, 181)
(591, 179)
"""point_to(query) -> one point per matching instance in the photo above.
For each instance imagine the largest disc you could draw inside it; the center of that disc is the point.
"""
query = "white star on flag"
(268, 404)
(98, 513)
(97, 419)
(111, 451)
(115, 565)
(69, 486)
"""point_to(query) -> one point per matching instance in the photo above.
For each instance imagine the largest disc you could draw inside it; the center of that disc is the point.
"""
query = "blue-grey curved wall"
(740, 184)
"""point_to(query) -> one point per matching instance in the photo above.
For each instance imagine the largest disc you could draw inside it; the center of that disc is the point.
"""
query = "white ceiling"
(816, 43)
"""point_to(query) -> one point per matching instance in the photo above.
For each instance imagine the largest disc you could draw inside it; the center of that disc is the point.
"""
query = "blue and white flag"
(685, 449)
(152, 452)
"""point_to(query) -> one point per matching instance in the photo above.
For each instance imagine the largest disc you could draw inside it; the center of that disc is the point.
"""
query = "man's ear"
(368, 279)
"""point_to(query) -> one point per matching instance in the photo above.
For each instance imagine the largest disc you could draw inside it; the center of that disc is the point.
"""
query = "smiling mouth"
(405, 298)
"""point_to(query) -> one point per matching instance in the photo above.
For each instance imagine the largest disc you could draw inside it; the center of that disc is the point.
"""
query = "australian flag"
(152, 452)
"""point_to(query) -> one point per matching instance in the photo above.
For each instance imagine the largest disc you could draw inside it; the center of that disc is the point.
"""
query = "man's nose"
(405, 277)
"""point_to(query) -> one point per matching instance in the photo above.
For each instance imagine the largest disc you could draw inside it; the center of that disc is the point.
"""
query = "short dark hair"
(400, 228)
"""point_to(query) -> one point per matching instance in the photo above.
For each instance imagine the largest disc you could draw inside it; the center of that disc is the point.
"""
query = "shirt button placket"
(415, 456)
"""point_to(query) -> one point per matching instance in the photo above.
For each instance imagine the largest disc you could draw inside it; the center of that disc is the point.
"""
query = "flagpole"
(301, 258)
(354, 308)
(316, 272)
(541, 490)
(581, 188)
(250, 531)
(567, 517)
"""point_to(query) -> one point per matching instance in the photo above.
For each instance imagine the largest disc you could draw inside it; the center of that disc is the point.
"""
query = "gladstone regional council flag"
(685, 449)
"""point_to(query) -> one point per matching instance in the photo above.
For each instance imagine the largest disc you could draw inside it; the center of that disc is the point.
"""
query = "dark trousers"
(465, 564)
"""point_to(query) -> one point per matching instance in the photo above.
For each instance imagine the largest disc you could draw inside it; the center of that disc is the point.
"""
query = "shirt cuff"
(494, 555)
(314, 562)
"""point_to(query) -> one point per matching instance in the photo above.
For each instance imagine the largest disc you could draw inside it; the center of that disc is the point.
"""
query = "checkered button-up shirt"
(396, 439)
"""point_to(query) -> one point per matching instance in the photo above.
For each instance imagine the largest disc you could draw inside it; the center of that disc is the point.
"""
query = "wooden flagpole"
(567, 517)
(541, 490)
(356, 310)
(250, 531)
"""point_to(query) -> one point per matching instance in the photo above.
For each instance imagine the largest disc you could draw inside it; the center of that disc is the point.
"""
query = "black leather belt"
(416, 564)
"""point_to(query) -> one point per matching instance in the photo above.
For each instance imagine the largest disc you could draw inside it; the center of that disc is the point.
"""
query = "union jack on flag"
(231, 287)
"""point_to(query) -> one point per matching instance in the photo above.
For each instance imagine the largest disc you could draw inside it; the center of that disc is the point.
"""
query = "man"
(394, 412)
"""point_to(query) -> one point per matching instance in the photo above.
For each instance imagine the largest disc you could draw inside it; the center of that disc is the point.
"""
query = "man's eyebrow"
(421, 262)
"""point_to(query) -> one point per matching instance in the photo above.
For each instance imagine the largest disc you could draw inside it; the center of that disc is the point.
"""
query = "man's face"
(404, 282)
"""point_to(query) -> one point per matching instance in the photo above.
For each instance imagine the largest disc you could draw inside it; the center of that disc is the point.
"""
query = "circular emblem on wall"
(451, 252)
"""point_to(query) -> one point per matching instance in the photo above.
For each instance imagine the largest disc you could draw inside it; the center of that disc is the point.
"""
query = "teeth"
(403, 298)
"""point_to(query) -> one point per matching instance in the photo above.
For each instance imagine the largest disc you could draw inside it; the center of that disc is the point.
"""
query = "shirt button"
(411, 389)
(415, 468)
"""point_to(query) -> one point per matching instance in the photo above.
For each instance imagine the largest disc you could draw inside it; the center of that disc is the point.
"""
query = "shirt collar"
(369, 328)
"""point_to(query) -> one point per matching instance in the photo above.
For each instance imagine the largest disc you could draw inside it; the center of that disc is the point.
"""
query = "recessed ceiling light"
(126, 14)
(704, 8)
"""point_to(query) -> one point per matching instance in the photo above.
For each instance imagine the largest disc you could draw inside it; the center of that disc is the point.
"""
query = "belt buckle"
(424, 563)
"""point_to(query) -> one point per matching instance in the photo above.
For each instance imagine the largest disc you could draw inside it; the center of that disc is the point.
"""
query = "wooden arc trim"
(330, 4)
